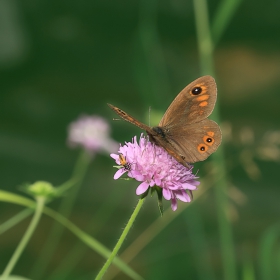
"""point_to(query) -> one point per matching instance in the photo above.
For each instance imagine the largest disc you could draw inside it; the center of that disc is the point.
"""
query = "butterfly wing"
(194, 142)
(193, 104)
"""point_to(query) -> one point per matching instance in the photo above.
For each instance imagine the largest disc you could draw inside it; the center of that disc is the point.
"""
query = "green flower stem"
(69, 262)
(155, 229)
(65, 208)
(121, 240)
(81, 235)
(92, 243)
(222, 17)
(34, 222)
(198, 241)
(15, 220)
(67, 185)
(267, 246)
(205, 46)
(150, 69)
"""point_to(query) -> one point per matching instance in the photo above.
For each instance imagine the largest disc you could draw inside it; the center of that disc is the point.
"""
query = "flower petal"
(152, 183)
(174, 204)
(183, 196)
(119, 173)
(137, 177)
(166, 193)
(114, 156)
(188, 186)
(142, 188)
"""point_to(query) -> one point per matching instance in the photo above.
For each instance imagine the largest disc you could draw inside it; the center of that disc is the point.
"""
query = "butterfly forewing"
(193, 104)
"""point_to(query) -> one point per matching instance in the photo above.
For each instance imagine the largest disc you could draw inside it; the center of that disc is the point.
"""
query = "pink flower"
(153, 166)
(92, 133)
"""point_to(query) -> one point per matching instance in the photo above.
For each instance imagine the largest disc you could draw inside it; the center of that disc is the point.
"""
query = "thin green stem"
(91, 242)
(67, 185)
(81, 235)
(150, 67)
(205, 46)
(199, 242)
(155, 229)
(224, 13)
(248, 271)
(226, 235)
(15, 220)
(121, 240)
(267, 247)
(65, 209)
(99, 218)
(26, 237)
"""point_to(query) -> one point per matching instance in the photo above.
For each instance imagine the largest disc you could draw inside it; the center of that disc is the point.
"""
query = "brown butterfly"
(184, 130)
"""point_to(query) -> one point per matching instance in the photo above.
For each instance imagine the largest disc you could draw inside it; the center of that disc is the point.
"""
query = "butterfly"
(184, 131)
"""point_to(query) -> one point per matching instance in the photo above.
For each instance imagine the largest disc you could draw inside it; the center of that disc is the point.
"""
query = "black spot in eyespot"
(196, 90)
(209, 140)
(202, 148)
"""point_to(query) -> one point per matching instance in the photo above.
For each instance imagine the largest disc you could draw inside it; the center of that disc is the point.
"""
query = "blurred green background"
(60, 59)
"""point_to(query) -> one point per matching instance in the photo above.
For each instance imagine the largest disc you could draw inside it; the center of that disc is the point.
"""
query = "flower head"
(92, 133)
(153, 166)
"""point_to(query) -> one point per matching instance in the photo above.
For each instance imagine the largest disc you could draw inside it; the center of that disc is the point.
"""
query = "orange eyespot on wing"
(208, 140)
(202, 148)
(198, 89)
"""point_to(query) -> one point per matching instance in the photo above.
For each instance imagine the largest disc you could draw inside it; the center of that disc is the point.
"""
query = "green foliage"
(60, 60)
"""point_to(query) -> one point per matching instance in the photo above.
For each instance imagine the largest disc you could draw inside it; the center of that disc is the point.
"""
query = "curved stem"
(65, 209)
(26, 237)
(15, 220)
(83, 236)
(121, 240)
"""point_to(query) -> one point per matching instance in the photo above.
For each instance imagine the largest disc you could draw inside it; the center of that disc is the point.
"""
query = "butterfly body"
(184, 131)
